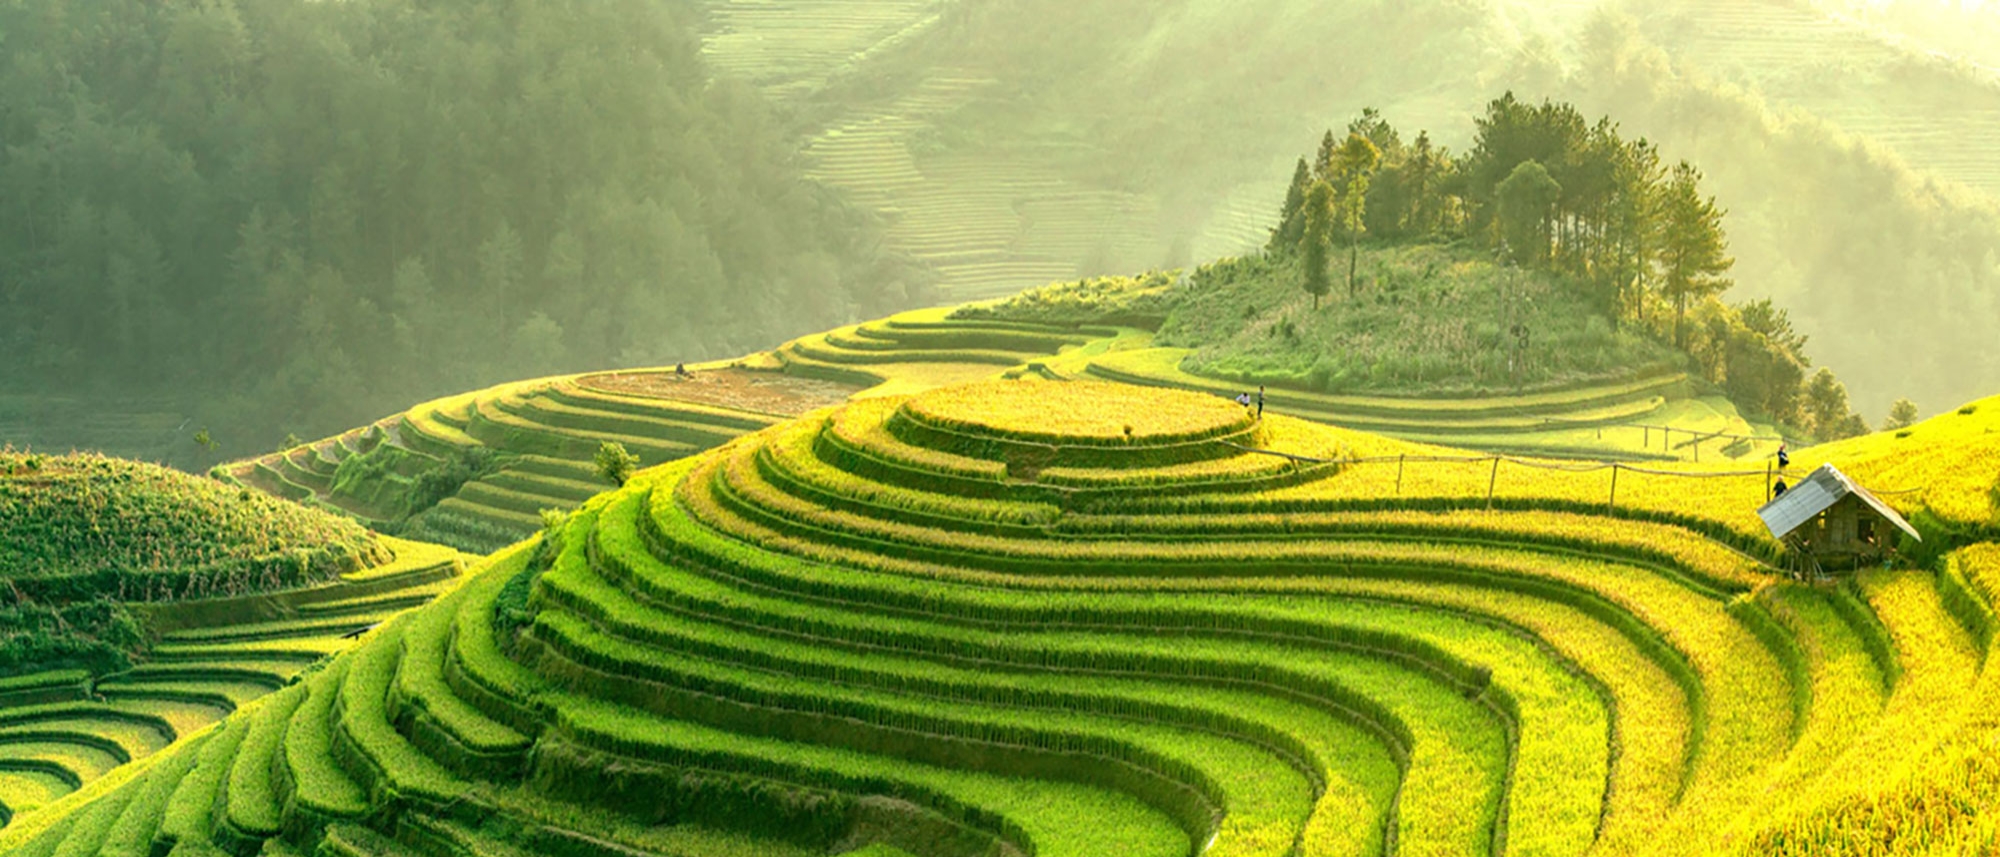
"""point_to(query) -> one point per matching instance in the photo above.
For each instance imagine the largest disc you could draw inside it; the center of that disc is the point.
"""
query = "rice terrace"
(954, 428)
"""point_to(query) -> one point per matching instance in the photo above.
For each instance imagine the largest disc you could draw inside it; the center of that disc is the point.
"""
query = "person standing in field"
(1784, 460)
(1260, 401)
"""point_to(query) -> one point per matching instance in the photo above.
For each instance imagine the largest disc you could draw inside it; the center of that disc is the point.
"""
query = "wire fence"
(1769, 474)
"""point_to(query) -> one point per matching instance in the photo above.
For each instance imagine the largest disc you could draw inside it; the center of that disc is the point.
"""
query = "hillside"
(143, 604)
(1433, 321)
(898, 627)
(477, 470)
(1007, 150)
(505, 192)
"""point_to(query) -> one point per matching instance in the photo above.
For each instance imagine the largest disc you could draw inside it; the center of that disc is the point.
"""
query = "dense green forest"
(293, 217)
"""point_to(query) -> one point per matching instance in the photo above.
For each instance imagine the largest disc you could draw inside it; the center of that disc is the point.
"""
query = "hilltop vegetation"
(84, 536)
(297, 216)
(1432, 319)
(1553, 252)
(932, 625)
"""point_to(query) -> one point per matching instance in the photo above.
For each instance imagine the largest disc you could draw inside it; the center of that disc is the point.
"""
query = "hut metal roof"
(1817, 493)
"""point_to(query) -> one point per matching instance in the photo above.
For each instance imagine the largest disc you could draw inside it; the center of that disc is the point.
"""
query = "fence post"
(1612, 504)
(1697, 447)
(1491, 481)
(1399, 473)
(1767, 481)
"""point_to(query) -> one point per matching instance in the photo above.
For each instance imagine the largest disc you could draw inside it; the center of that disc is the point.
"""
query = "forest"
(290, 217)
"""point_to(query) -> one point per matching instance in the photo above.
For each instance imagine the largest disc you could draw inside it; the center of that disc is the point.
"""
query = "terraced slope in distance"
(535, 442)
(901, 623)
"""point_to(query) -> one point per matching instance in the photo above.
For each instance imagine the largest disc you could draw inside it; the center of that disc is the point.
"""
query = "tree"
(1826, 405)
(1317, 240)
(1525, 203)
(1902, 415)
(1693, 251)
(1292, 223)
(1354, 164)
(614, 464)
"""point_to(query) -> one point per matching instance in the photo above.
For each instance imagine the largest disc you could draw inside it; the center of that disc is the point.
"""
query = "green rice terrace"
(1050, 617)
(144, 605)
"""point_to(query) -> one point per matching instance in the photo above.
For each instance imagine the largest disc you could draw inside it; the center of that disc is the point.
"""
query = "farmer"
(1784, 460)
(1260, 401)
(1243, 399)
(1778, 490)
(681, 370)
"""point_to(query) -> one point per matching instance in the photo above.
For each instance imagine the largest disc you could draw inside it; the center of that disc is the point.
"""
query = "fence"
(1764, 477)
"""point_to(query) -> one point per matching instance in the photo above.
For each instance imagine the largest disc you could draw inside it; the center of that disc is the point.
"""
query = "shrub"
(614, 464)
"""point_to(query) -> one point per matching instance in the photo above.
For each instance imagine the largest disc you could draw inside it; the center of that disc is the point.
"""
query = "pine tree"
(1292, 225)
(1693, 251)
(1354, 165)
(1318, 238)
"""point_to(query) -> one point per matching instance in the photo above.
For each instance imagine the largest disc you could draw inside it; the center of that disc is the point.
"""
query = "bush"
(614, 464)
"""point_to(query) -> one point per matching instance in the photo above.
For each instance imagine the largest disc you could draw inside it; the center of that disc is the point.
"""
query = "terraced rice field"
(989, 224)
(1036, 617)
(1644, 419)
(63, 733)
(792, 47)
(545, 432)
(1935, 117)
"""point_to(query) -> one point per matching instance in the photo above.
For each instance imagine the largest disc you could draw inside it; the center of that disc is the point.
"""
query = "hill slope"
(143, 604)
(900, 623)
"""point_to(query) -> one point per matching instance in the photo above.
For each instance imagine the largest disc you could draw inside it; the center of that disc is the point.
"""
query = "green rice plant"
(132, 834)
(252, 810)
(555, 491)
(1256, 789)
(1674, 549)
(817, 348)
(483, 745)
(283, 629)
(1039, 653)
(576, 395)
(1059, 818)
(190, 811)
(884, 336)
(81, 756)
(478, 669)
(92, 823)
(372, 752)
(805, 619)
(493, 496)
(314, 789)
(555, 414)
(1685, 625)
(502, 430)
(1162, 367)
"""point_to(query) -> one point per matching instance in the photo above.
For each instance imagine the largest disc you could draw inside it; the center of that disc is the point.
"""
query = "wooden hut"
(1829, 521)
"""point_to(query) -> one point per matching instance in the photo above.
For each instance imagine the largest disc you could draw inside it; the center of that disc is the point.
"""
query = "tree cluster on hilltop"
(308, 214)
(1546, 190)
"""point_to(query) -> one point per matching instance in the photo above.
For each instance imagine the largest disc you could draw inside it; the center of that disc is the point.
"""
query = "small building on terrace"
(1827, 520)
